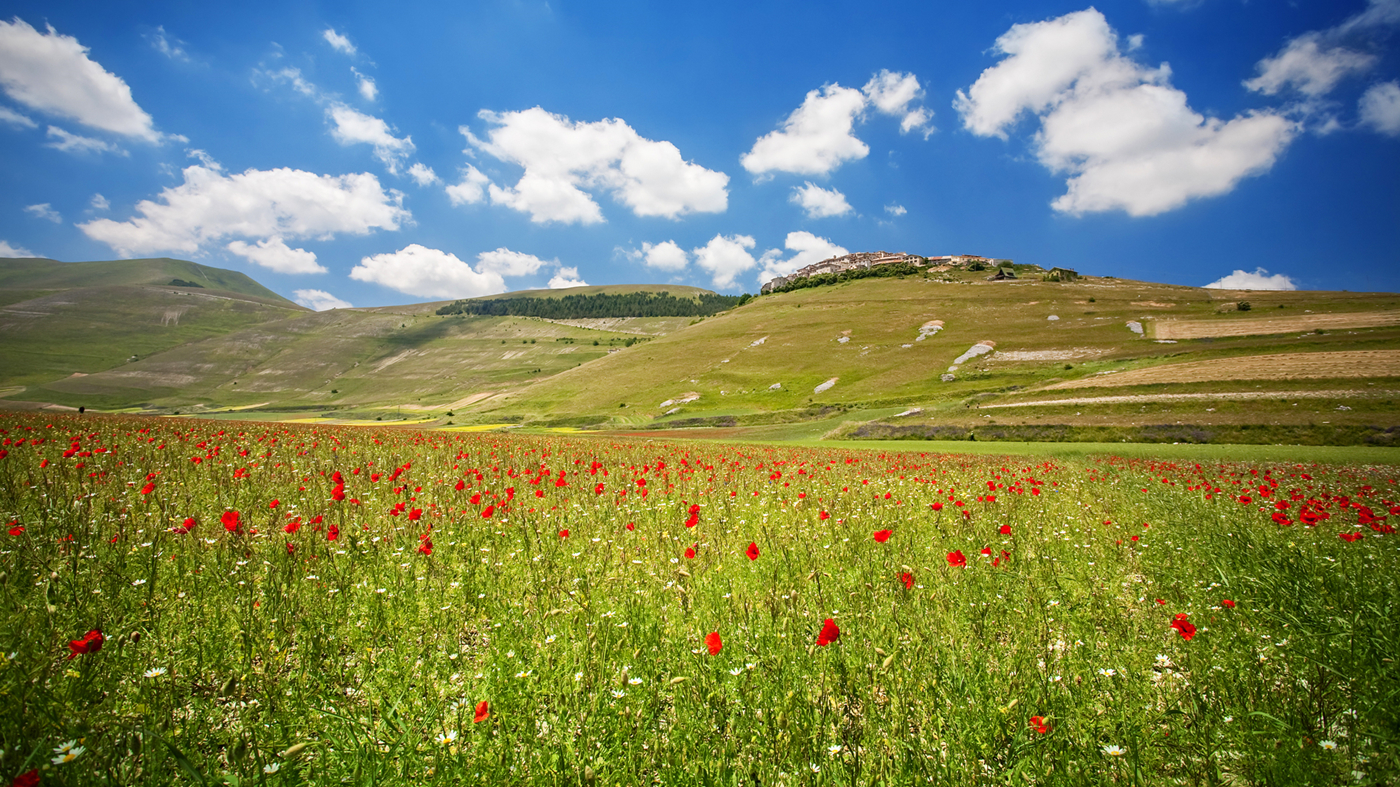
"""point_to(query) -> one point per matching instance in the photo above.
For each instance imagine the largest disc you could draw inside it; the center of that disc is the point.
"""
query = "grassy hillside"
(37, 275)
(59, 319)
(795, 341)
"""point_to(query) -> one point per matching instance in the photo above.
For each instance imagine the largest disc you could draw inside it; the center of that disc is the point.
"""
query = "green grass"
(244, 653)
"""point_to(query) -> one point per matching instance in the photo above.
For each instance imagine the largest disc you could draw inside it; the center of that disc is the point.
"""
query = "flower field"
(198, 602)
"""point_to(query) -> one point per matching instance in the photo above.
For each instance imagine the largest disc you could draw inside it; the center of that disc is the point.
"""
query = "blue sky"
(344, 153)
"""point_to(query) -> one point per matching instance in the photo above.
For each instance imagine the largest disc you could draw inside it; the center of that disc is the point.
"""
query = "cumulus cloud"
(895, 210)
(427, 273)
(1380, 108)
(172, 48)
(337, 41)
(276, 255)
(725, 257)
(44, 211)
(809, 249)
(1314, 62)
(1258, 280)
(505, 262)
(283, 203)
(1309, 65)
(565, 278)
(69, 142)
(819, 203)
(15, 119)
(891, 94)
(562, 158)
(354, 127)
(292, 76)
(1124, 136)
(6, 250)
(815, 139)
(819, 136)
(52, 73)
(666, 256)
(99, 202)
(319, 300)
(471, 189)
(368, 90)
(423, 174)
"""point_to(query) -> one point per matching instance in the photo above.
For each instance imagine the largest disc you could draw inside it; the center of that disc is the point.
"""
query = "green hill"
(37, 274)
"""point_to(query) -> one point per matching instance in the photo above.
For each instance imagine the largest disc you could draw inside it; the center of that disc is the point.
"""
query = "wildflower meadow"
(197, 602)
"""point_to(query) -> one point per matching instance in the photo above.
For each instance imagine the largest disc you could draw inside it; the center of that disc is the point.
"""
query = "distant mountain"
(45, 274)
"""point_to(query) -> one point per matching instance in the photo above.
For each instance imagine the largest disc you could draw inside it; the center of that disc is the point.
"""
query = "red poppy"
(291, 547)
(483, 712)
(986, 551)
(881, 536)
(598, 490)
(231, 522)
(1184, 627)
(829, 633)
(332, 533)
(1351, 536)
(415, 515)
(937, 506)
(823, 516)
(1227, 603)
(564, 533)
(690, 553)
(631, 525)
(292, 526)
(752, 551)
(1006, 530)
(16, 528)
(186, 526)
(488, 511)
(426, 548)
(956, 559)
(148, 488)
(338, 493)
(908, 580)
(28, 779)
(460, 485)
(90, 643)
(1161, 602)
(275, 502)
(712, 641)
(1038, 724)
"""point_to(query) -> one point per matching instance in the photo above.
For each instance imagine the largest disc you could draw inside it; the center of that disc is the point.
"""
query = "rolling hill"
(936, 354)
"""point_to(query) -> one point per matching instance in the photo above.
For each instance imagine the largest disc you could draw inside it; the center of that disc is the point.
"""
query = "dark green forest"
(573, 307)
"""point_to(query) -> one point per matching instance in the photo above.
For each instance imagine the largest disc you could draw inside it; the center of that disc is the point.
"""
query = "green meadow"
(217, 602)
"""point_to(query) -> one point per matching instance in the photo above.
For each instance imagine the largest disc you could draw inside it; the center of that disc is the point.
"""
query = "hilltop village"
(869, 259)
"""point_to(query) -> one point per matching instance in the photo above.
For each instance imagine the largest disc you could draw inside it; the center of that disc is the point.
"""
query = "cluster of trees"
(573, 307)
(879, 271)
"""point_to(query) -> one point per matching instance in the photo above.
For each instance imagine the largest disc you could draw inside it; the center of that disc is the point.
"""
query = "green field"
(202, 602)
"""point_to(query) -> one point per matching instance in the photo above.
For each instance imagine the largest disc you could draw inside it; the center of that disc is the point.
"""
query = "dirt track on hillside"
(1196, 397)
(1282, 366)
(1302, 323)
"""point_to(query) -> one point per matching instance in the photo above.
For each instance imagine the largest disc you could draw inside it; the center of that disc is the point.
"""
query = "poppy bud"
(135, 637)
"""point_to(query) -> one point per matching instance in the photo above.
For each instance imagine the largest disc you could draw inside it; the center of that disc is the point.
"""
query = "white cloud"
(815, 139)
(6, 250)
(565, 278)
(1380, 107)
(52, 73)
(819, 203)
(353, 127)
(891, 93)
(423, 174)
(274, 254)
(561, 159)
(44, 211)
(725, 258)
(810, 249)
(505, 262)
(895, 210)
(666, 256)
(293, 76)
(99, 202)
(163, 44)
(1309, 65)
(319, 300)
(368, 90)
(1125, 137)
(471, 189)
(1314, 62)
(427, 273)
(15, 119)
(338, 41)
(287, 203)
(69, 142)
(1258, 280)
